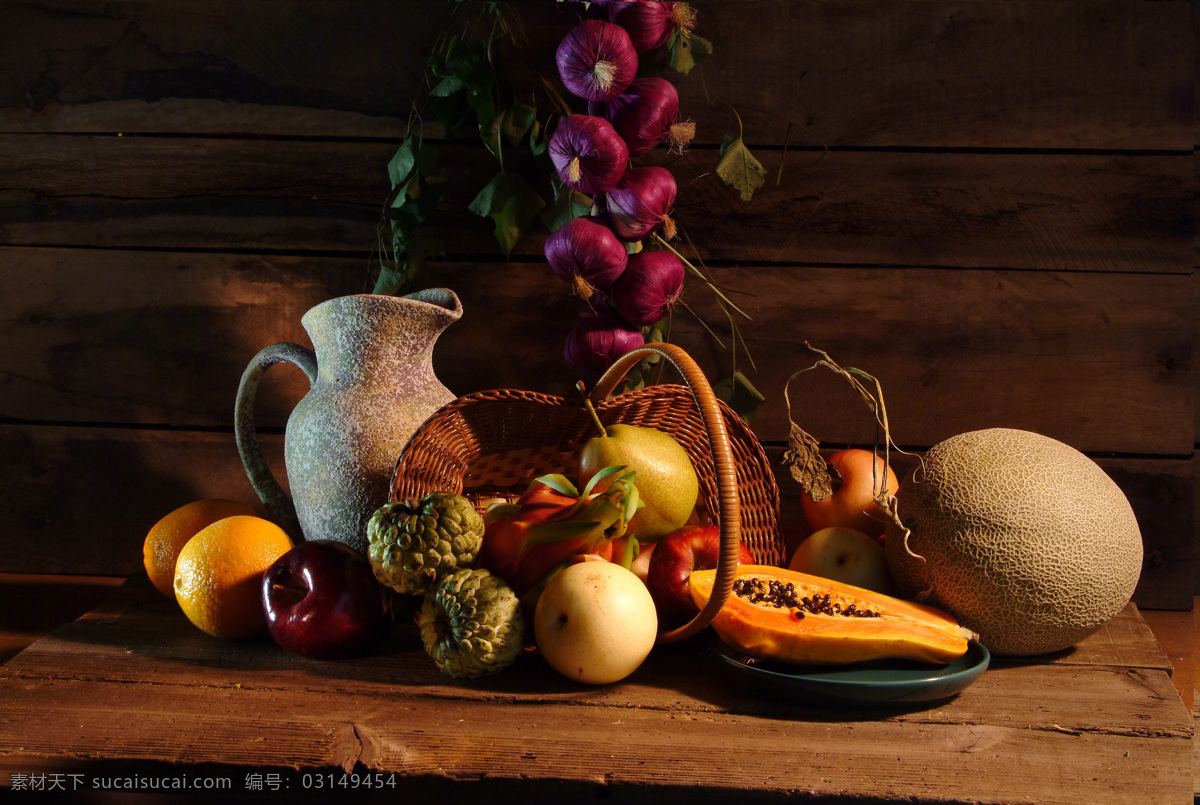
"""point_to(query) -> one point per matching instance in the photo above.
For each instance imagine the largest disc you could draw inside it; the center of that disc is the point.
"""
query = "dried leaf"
(687, 50)
(740, 169)
(808, 468)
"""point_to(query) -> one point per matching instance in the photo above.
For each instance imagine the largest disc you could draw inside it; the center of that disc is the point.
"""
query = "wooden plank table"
(132, 692)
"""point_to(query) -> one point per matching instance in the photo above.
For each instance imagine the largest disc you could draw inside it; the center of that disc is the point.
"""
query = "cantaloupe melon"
(1022, 538)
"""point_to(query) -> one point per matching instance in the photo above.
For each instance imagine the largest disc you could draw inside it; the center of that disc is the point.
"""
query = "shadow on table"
(140, 634)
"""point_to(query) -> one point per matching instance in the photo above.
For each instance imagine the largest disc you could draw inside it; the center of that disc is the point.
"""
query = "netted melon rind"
(1022, 538)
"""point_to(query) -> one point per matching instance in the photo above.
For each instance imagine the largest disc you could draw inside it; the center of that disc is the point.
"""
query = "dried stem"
(691, 268)
(874, 398)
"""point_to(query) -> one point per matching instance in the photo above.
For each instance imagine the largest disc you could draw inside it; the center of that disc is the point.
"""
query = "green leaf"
(499, 510)
(536, 147)
(512, 123)
(402, 163)
(417, 247)
(559, 483)
(633, 503)
(410, 208)
(421, 247)
(687, 50)
(448, 87)
(567, 205)
(452, 111)
(483, 103)
(404, 223)
(632, 549)
(484, 202)
(389, 281)
(740, 394)
(424, 194)
(739, 168)
(518, 119)
(600, 476)
(467, 85)
(412, 160)
(544, 533)
(511, 203)
(508, 229)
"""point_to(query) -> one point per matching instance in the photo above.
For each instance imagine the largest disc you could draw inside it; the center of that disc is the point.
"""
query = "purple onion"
(586, 255)
(588, 154)
(596, 60)
(641, 203)
(647, 114)
(597, 341)
(650, 24)
(649, 287)
(601, 108)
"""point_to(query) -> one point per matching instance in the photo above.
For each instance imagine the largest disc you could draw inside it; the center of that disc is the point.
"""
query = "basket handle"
(729, 504)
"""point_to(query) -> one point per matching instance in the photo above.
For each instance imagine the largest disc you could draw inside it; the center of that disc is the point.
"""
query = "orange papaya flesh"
(761, 620)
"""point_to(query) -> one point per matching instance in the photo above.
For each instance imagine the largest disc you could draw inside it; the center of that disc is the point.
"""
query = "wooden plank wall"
(993, 214)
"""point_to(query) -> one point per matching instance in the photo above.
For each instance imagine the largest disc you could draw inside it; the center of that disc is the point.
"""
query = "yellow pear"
(664, 475)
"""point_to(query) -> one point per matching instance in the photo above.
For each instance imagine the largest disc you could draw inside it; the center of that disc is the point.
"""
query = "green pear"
(664, 475)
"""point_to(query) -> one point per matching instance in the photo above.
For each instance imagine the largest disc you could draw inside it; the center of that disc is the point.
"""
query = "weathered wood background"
(1001, 229)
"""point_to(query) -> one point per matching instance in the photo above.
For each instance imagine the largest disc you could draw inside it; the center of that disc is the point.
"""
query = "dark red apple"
(322, 600)
(693, 547)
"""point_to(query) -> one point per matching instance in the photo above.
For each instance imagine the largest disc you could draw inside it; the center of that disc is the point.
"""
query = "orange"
(169, 535)
(218, 578)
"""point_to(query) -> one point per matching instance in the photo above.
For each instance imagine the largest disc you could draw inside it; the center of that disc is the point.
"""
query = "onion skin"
(585, 254)
(597, 341)
(596, 60)
(588, 153)
(649, 287)
(641, 203)
(601, 109)
(650, 24)
(647, 114)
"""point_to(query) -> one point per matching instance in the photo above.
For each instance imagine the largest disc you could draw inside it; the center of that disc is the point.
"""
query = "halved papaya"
(782, 615)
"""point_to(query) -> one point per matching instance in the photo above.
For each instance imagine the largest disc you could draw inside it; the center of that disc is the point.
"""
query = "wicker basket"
(493, 443)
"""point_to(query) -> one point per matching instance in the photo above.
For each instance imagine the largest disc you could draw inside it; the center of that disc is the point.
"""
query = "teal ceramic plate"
(894, 682)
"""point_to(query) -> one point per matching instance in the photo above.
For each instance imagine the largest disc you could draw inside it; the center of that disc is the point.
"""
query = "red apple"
(323, 601)
(694, 547)
(852, 504)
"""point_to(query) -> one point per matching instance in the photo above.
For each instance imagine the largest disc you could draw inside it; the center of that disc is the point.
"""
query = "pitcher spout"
(447, 304)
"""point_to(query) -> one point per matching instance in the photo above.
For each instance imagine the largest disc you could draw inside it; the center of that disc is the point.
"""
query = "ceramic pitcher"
(372, 384)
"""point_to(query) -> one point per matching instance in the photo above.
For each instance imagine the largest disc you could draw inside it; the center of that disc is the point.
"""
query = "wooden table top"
(132, 693)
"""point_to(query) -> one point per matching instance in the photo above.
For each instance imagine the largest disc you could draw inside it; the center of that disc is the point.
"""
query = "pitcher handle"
(277, 501)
